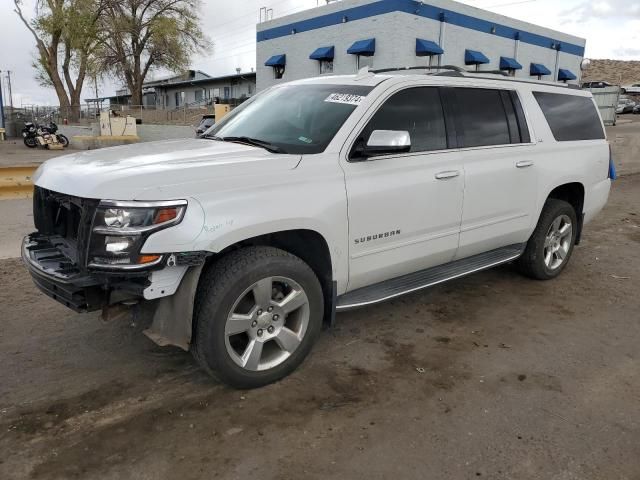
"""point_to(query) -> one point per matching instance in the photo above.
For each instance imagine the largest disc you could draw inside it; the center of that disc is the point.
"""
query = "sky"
(611, 27)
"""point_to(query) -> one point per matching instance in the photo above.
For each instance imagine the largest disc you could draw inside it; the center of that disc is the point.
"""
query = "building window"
(364, 61)
(199, 95)
(278, 71)
(326, 66)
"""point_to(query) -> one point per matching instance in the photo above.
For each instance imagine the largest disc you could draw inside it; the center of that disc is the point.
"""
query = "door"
(404, 209)
(500, 172)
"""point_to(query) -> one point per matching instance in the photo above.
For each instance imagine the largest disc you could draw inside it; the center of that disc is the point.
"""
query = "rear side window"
(570, 117)
(481, 118)
(416, 110)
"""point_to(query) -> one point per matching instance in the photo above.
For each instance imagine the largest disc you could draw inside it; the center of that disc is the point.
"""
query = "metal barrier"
(16, 182)
(607, 101)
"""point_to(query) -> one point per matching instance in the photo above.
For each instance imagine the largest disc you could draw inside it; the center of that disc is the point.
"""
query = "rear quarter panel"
(559, 163)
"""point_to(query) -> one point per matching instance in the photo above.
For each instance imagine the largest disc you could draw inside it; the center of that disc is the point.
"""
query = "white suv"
(319, 196)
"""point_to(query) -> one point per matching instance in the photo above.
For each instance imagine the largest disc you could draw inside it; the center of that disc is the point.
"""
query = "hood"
(129, 171)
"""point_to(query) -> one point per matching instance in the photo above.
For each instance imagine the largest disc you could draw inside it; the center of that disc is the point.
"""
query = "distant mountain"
(617, 72)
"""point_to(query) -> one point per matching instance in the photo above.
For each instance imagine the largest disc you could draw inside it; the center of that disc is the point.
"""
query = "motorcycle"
(35, 135)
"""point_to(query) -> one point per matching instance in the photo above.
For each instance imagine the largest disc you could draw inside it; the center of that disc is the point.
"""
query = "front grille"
(66, 218)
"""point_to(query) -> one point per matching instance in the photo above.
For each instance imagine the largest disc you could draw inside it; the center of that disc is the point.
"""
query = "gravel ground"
(492, 376)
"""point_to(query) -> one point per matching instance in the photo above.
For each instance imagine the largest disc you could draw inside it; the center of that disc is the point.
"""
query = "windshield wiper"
(212, 137)
(270, 147)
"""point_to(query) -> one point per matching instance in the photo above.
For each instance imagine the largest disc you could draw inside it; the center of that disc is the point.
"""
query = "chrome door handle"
(524, 164)
(447, 175)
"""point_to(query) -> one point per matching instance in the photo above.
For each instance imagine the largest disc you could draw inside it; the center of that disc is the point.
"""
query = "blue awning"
(365, 48)
(276, 61)
(426, 48)
(507, 63)
(565, 75)
(471, 57)
(538, 69)
(323, 53)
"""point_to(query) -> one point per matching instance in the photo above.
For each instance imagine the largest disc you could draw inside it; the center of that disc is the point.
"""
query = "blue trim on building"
(471, 57)
(565, 75)
(276, 61)
(323, 53)
(507, 63)
(427, 48)
(366, 48)
(538, 69)
(413, 7)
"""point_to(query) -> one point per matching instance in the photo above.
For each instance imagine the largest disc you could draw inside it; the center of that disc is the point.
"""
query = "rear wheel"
(551, 245)
(258, 312)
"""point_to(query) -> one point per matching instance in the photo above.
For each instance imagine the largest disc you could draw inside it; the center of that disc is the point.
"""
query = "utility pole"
(10, 92)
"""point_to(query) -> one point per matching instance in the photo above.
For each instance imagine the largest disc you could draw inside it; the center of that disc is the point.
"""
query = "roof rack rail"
(426, 67)
(455, 71)
(489, 72)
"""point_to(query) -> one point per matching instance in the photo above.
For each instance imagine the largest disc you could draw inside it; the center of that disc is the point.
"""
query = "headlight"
(121, 228)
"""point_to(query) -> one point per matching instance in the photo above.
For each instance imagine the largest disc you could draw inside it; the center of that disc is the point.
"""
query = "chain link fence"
(88, 113)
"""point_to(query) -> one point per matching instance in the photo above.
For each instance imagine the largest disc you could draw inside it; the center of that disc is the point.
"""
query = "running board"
(426, 278)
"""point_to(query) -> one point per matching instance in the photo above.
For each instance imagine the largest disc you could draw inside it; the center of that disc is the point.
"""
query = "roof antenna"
(363, 73)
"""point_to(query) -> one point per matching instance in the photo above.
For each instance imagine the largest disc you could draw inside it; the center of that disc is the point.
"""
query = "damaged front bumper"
(50, 263)
(166, 292)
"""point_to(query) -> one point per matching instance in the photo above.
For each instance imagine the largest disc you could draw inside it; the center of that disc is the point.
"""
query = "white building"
(341, 37)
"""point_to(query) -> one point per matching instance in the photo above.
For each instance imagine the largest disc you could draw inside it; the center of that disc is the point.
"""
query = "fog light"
(118, 244)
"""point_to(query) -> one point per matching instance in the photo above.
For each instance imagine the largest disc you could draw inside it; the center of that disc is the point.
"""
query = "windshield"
(298, 119)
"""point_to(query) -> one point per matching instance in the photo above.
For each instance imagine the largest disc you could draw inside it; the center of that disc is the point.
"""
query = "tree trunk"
(136, 90)
(63, 98)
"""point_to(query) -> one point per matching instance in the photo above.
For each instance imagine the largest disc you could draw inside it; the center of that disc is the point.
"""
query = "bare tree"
(142, 35)
(65, 32)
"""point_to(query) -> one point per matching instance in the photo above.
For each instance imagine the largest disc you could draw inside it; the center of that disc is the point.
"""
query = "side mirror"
(387, 142)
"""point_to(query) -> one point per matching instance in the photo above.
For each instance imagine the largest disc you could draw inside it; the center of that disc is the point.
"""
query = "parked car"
(597, 84)
(205, 124)
(316, 197)
(634, 88)
(625, 105)
(636, 109)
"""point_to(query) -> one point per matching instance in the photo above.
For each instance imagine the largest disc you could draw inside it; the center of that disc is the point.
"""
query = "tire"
(268, 344)
(30, 142)
(63, 140)
(540, 259)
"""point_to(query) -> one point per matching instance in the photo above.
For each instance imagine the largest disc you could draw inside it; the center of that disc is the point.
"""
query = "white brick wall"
(395, 35)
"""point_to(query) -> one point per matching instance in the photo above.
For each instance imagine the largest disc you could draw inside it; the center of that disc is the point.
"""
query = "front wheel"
(258, 312)
(64, 141)
(30, 142)
(551, 245)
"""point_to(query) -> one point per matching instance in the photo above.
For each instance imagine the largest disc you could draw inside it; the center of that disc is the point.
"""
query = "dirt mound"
(617, 72)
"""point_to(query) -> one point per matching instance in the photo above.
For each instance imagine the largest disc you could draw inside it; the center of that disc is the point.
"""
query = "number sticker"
(344, 98)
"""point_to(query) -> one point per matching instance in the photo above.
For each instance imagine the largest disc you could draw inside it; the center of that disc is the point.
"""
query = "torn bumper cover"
(166, 295)
(49, 261)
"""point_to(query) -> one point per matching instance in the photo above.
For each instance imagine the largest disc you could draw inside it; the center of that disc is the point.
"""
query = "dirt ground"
(491, 376)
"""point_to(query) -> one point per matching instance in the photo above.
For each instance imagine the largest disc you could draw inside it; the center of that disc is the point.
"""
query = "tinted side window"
(481, 119)
(416, 110)
(570, 117)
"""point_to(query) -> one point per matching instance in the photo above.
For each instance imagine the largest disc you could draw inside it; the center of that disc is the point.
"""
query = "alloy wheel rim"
(558, 242)
(267, 323)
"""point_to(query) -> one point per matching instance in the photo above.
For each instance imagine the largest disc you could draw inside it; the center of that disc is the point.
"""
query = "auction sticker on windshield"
(346, 98)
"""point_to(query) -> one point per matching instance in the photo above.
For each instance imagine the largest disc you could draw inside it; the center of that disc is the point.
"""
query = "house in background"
(231, 89)
(194, 88)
